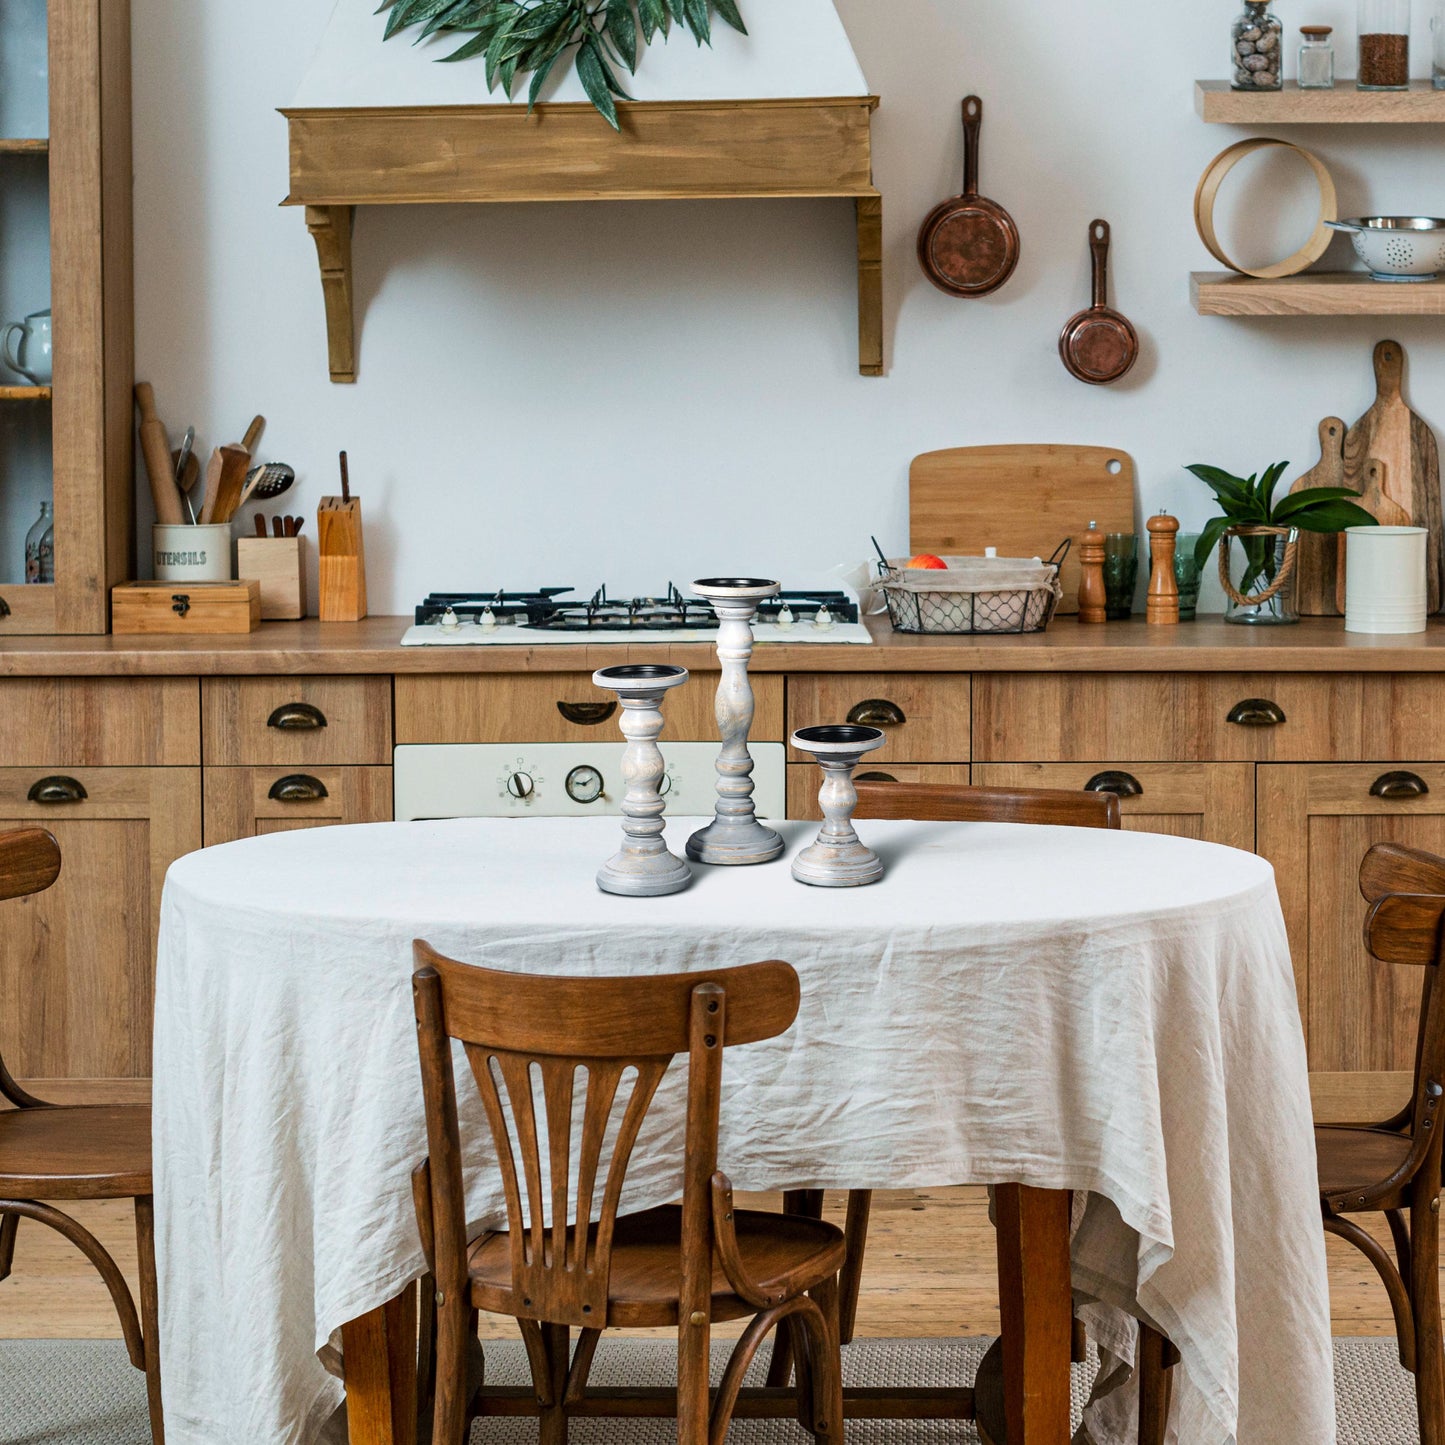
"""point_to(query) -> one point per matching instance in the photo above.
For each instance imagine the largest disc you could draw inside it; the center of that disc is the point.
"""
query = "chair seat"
(1358, 1160)
(647, 1271)
(76, 1153)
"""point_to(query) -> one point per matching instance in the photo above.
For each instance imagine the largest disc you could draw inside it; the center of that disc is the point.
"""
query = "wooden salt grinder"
(1162, 603)
(343, 555)
(1092, 596)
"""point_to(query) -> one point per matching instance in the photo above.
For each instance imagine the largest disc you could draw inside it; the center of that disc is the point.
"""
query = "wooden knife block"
(343, 560)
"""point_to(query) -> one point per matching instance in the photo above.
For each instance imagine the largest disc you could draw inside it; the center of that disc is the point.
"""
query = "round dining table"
(1104, 1016)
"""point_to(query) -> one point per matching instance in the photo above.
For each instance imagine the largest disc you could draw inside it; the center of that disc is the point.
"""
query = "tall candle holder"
(837, 859)
(643, 867)
(735, 837)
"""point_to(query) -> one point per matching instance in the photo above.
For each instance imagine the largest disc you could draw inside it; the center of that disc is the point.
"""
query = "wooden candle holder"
(1162, 603)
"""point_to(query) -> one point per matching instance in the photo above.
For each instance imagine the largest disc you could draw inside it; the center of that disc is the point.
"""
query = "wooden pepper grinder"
(343, 555)
(1092, 597)
(1162, 603)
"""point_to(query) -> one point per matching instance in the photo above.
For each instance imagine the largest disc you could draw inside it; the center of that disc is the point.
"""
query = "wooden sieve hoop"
(1207, 194)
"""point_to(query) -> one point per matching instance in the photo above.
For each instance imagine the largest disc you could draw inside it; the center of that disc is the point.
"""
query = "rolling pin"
(157, 452)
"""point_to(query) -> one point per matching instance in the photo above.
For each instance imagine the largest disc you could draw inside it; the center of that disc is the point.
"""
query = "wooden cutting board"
(1393, 434)
(1024, 500)
(1317, 568)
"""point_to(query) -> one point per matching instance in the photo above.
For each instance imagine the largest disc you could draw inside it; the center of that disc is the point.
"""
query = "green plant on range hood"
(518, 37)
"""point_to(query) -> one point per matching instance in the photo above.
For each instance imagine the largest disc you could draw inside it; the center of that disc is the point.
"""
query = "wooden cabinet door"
(77, 963)
(247, 802)
(1210, 801)
(1316, 823)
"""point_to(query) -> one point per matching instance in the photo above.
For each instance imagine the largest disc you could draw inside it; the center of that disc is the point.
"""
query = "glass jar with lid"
(1437, 27)
(1384, 45)
(1317, 58)
(1257, 48)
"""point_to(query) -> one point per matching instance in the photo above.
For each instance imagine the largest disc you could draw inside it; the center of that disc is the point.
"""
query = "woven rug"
(84, 1392)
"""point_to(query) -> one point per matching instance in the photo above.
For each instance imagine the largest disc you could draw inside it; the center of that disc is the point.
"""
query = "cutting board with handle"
(1317, 570)
(1393, 434)
(1024, 500)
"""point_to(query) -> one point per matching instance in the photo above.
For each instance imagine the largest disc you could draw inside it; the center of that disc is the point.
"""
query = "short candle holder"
(735, 837)
(643, 867)
(838, 859)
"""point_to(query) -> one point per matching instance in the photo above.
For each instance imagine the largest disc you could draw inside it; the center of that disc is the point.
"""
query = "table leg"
(1035, 1309)
(379, 1350)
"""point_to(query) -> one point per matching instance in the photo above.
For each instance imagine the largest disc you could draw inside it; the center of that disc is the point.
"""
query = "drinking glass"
(1188, 575)
(1121, 574)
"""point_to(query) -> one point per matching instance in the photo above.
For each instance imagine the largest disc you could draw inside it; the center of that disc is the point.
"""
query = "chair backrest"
(29, 863)
(954, 803)
(528, 1037)
(1406, 925)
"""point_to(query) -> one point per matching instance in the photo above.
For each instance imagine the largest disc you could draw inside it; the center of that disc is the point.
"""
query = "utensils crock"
(182, 553)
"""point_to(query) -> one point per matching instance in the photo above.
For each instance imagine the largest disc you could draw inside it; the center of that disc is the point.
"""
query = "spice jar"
(1258, 48)
(1384, 45)
(1317, 58)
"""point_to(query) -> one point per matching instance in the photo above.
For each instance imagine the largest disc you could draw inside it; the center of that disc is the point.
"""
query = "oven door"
(564, 780)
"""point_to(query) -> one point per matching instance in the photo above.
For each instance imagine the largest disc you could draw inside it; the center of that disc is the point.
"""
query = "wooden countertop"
(1208, 645)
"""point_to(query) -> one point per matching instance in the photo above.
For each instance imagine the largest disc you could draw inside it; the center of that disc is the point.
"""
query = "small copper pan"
(1099, 345)
(969, 246)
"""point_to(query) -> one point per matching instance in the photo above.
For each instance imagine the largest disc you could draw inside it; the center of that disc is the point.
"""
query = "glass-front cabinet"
(66, 456)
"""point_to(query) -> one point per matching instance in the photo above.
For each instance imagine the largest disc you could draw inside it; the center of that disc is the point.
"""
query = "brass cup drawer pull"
(298, 788)
(875, 778)
(1396, 786)
(297, 717)
(57, 790)
(1256, 712)
(587, 714)
(1120, 784)
(877, 712)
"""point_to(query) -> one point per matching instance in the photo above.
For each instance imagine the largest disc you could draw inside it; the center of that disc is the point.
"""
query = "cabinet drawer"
(926, 716)
(561, 707)
(265, 721)
(804, 780)
(247, 802)
(1207, 717)
(1210, 801)
(77, 962)
(113, 722)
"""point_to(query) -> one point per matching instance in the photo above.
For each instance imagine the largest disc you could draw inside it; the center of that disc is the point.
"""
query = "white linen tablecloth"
(1103, 1012)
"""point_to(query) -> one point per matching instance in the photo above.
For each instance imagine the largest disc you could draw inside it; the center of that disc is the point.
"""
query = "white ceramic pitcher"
(31, 356)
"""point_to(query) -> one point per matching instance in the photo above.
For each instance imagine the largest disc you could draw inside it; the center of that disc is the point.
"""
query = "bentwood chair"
(535, 1043)
(48, 1152)
(1393, 1168)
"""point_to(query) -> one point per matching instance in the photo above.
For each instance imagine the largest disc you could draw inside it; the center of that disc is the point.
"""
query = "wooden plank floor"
(930, 1271)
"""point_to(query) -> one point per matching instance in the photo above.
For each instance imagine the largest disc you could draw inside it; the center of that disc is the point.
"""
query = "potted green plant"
(1258, 537)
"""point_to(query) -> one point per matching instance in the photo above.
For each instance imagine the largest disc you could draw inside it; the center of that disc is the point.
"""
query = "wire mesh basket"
(974, 594)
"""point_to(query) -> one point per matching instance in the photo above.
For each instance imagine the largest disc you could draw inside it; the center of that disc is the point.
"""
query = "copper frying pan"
(969, 246)
(1099, 345)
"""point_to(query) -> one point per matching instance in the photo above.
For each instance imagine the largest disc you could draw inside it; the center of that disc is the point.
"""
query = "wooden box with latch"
(196, 608)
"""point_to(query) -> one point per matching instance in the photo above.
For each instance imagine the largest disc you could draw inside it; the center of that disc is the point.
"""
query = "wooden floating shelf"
(667, 150)
(25, 393)
(24, 146)
(1315, 293)
(1219, 104)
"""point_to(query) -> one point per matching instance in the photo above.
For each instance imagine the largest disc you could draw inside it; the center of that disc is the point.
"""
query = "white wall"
(633, 392)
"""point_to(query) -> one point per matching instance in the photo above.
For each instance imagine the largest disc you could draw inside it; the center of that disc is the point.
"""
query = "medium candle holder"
(838, 859)
(643, 867)
(735, 838)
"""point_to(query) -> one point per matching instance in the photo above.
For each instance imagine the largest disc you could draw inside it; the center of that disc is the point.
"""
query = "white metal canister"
(1385, 588)
(191, 554)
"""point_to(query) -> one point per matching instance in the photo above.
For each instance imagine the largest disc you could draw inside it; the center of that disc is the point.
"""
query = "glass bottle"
(1258, 48)
(1437, 27)
(1317, 58)
(40, 548)
(1384, 45)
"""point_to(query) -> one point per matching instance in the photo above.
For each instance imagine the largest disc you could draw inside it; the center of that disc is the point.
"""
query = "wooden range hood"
(745, 147)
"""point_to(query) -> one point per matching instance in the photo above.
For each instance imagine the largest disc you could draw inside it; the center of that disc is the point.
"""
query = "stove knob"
(520, 785)
(665, 786)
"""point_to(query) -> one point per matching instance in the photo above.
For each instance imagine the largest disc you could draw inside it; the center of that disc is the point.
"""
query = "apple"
(927, 562)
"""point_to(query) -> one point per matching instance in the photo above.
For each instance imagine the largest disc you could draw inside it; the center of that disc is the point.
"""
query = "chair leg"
(1425, 1306)
(694, 1418)
(449, 1406)
(850, 1281)
(145, 1237)
(807, 1203)
(825, 1372)
(9, 1227)
(1155, 1385)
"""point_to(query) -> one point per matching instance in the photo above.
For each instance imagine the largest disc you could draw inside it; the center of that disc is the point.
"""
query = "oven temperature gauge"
(584, 784)
(519, 783)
